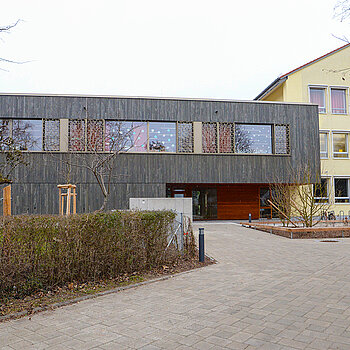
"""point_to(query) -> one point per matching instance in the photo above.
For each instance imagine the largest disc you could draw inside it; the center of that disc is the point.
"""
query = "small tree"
(302, 198)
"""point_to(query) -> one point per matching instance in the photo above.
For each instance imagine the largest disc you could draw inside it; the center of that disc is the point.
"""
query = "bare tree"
(302, 199)
(100, 153)
(342, 10)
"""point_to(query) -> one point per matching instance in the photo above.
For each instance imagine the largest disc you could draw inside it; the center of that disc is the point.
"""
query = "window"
(5, 137)
(185, 137)
(324, 145)
(281, 139)
(209, 138)
(341, 190)
(76, 135)
(162, 137)
(51, 135)
(226, 138)
(94, 136)
(340, 145)
(338, 100)
(321, 191)
(253, 138)
(126, 136)
(28, 134)
(317, 96)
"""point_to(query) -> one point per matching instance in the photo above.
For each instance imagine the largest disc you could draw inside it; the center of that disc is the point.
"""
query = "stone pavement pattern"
(266, 292)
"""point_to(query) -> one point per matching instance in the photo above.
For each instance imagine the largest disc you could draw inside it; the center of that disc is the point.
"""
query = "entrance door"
(204, 203)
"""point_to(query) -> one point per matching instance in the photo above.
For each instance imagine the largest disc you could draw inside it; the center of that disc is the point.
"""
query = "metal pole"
(201, 245)
(250, 217)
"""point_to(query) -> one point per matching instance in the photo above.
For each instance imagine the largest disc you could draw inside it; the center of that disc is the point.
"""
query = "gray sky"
(193, 48)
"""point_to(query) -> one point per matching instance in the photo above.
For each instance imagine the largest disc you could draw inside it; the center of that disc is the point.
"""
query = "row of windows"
(340, 144)
(341, 190)
(110, 135)
(332, 99)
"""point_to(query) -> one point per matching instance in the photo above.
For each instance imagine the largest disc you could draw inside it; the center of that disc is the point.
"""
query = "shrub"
(41, 252)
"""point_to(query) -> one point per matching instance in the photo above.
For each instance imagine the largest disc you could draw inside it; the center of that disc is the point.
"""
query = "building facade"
(325, 82)
(222, 153)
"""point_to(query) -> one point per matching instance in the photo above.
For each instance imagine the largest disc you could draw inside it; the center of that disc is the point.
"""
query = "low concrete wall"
(180, 205)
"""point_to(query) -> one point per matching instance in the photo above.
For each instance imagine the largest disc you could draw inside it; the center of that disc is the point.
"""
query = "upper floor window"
(185, 137)
(323, 145)
(209, 138)
(253, 138)
(281, 133)
(76, 135)
(226, 137)
(318, 97)
(51, 135)
(28, 134)
(340, 145)
(162, 137)
(338, 101)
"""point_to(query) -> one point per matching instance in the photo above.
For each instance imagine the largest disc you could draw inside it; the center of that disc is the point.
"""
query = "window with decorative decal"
(226, 138)
(338, 100)
(162, 136)
(209, 138)
(94, 135)
(318, 97)
(281, 134)
(185, 137)
(76, 135)
(28, 134)
(51, 137)
(253, 138)
(126, 136)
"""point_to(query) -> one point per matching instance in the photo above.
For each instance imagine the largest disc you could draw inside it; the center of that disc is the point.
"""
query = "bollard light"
(250, 217)
(201, 244)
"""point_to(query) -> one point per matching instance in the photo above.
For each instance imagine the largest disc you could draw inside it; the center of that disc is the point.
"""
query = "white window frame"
(327, 144)
(335, 194)
(320, 87)
(345, 89)
(346, 144)
(327, 197)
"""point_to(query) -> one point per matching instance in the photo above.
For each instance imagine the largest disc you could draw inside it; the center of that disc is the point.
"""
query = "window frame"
(347, 199)
(321, 199)
(346, 133)
(342, 88)
(327, 144)
(324, 89)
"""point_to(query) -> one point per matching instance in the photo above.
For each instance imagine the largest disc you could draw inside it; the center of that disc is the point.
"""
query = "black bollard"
(250, 217)
(201, 244)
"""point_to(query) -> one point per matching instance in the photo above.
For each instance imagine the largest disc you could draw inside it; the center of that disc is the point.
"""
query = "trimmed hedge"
(41, 252)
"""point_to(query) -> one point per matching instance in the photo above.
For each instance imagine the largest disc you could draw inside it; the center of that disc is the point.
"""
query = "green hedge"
(40, 252)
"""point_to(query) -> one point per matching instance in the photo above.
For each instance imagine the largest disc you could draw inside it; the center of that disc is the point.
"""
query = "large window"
(209, 138)
(226, 138)
(253, 138)
(323, 145)
(340, 145)
(341, 190)
(162, 137)
(28, 134)
(126, 136)
(321, 191)
(4, 134)
(317, 96)
(185, 137)
(338, 100)
(281, 139)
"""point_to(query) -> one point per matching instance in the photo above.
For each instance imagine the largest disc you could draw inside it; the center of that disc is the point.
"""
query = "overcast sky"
(191, 48)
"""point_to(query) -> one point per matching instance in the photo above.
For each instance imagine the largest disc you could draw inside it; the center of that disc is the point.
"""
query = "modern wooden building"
(222, 153)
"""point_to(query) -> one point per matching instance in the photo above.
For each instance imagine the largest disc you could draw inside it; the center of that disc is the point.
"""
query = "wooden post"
(60, 201)
(69, 197)
(6, 192)
(68, 201)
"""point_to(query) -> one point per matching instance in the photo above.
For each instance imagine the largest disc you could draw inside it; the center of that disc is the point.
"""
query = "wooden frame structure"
(71, 197)
(6, 194)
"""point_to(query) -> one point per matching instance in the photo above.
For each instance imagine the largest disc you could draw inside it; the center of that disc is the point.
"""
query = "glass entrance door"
(204, 203)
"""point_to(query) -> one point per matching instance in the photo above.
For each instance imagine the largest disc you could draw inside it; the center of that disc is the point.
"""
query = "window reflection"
(28, 134)
(162, 137)
(251, 138)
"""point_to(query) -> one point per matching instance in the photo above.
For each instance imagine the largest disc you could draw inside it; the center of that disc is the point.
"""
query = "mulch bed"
(13, 308)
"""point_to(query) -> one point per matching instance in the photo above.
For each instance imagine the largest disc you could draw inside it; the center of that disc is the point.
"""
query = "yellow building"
(324, 81)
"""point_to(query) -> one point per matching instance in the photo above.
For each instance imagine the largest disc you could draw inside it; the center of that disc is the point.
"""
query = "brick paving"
(266, 292)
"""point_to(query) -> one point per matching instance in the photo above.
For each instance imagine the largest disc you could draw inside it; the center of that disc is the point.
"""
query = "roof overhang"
(274, 85)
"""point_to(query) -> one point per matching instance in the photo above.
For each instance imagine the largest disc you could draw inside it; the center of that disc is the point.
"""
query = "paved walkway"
(266, 292)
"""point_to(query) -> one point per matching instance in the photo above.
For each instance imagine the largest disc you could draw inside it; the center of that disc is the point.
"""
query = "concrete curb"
(98, 294)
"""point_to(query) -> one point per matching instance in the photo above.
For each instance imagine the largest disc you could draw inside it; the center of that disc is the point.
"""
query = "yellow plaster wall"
(325, 73)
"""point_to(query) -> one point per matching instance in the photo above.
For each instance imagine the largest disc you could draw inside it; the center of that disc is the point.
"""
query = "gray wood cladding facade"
(146, 174)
